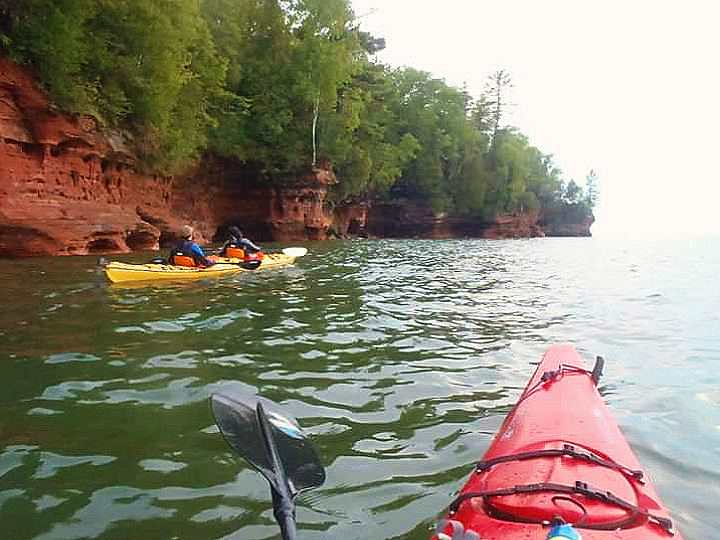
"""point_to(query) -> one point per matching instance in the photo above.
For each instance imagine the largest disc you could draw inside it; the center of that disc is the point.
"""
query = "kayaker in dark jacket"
(187, 248)
(236, 240)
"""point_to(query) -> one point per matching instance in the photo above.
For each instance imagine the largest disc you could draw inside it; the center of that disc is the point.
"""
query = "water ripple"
(399, 357)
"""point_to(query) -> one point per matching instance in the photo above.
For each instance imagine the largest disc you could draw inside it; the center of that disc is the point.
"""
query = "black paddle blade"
(236, 417)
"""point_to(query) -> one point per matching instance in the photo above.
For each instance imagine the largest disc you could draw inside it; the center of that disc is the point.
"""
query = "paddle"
(254, 264)
(274, 445)
(295, 251)
(289, 251)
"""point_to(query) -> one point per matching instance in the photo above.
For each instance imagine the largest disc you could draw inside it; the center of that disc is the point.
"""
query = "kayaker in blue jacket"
(236, 240)
(188, 248)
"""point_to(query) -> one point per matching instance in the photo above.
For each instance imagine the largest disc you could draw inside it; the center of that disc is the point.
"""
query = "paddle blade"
(295, 251)
(235, 416)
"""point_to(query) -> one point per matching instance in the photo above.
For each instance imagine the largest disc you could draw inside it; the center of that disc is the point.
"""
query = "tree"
(364, 137)
(286, 62)
(511, 170)
(52, 37)
(593, 190)
(573, 192)
(147, 66)
(323, 53)
(468, 189)
(496, 89)
(481, 118)
(435, 115)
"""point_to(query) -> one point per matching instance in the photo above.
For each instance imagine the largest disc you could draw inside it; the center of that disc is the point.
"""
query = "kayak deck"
(559, 453)
(118, 272)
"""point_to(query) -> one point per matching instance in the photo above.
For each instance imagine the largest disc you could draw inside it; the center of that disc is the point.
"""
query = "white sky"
(629, 88)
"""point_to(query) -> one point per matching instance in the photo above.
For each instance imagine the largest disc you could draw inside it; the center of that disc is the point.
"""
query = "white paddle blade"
(295, 251)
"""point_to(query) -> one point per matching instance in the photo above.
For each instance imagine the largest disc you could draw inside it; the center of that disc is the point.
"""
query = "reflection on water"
(399, 358)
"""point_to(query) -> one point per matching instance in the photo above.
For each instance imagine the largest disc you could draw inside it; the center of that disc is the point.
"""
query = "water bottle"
(563, 531)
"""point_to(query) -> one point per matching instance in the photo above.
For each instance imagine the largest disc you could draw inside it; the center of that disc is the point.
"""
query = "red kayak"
(559, 457)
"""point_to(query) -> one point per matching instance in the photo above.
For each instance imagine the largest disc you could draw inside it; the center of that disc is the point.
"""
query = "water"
(400, 358)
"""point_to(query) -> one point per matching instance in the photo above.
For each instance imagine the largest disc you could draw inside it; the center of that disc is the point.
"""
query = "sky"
(630, 89)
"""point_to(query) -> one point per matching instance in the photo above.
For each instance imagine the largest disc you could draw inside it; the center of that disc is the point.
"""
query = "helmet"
(186, 231)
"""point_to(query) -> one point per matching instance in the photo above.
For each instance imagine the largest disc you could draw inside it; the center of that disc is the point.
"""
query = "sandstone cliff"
(68, 186)
(406, 218)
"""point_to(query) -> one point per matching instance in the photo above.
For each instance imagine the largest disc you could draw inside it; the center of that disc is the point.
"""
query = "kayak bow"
(559, 456)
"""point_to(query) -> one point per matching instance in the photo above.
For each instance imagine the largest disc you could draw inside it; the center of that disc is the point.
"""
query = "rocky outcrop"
(568, 220)
(70, 187)
(350, 219)
(513, 226)
(569, 228)
(406, 218)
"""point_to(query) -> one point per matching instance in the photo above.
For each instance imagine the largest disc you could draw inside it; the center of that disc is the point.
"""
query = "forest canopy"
(281, 84)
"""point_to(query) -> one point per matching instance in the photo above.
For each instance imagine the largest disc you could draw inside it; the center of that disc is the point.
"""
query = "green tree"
(323, 55)
(363, 137)
(253, 114)
(52, 36)
(593, 190)
(481, 119)
(573, 192)
(146, 65)
(287, 61)
(468, 189)
(496, 88)
(435, 114)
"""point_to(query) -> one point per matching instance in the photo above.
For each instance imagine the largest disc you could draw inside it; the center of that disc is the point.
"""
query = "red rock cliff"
(69, 187)
(408, 218)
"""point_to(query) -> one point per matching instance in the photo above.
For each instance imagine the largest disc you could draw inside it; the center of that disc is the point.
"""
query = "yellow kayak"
(118, 272)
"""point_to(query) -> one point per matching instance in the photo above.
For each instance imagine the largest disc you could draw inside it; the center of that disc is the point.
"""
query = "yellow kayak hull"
(118, 272)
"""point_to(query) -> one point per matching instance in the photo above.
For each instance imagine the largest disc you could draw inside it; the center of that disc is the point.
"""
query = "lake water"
(399, 358)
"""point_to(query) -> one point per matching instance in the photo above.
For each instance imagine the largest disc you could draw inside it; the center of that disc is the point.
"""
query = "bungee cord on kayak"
(567, 450)
(550, 376)
(581, 488)
(558, 456)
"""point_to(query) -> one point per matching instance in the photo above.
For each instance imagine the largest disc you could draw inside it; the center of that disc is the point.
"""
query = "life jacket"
(182, 255)
(234, 253)
(184, 260)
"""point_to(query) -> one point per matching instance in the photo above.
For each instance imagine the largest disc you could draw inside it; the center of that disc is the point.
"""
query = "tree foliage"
(593, 189)
(145, 65)
(283, 84)
(496, 88)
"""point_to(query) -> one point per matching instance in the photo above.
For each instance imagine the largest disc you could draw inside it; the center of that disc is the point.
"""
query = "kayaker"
(237, 241)
(187, 252)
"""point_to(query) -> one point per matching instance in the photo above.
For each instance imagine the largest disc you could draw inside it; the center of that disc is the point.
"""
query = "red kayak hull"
(559, 453)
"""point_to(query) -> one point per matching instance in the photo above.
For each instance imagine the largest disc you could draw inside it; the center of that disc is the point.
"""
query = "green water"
(399, 358)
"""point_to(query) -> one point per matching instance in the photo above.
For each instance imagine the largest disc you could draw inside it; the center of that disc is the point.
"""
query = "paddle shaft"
(283, 506)
(291, 251)
(284, 512)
